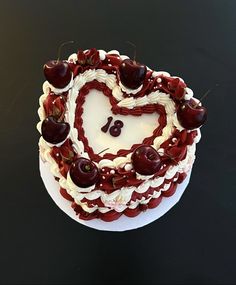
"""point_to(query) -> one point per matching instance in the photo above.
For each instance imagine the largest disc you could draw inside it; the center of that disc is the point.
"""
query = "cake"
(117, 135)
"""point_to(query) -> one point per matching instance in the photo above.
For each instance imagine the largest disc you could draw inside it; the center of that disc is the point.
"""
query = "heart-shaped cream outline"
(110, 80)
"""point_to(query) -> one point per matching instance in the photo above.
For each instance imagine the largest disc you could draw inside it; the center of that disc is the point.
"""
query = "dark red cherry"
(84, 172)
(191, 115)
(132, 73)
(146, 160)
(57, 73)
(53, 131)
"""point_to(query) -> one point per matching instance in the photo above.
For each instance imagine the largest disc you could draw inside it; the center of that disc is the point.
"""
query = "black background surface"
(195, 241)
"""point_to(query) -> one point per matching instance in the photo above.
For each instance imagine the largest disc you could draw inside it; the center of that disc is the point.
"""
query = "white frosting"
(189, 93)
(128, 167)
(102, 54)
(117, 93)
(123, 57)
(143, 177)
(119, 199)
(114, 51)
(73, 58)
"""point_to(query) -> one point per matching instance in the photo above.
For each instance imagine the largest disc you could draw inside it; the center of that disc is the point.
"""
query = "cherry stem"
(200, 100)
(87, 167)
(60, 47)
(135, 49)
(171, 157)
(205, 95)
(103, 150)
(71, 155)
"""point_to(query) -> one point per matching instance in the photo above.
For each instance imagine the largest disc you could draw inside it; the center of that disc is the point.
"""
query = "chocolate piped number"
(115, 130)
(106, 127)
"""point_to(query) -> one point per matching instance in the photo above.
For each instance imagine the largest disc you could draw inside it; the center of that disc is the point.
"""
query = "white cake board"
(123, 223)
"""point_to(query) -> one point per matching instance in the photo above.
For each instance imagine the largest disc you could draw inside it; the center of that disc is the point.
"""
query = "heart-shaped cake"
(118, 136)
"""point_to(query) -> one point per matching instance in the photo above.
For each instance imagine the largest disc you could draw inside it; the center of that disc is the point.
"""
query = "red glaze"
(113, 59)
(170, 191)
(181, 177)
(84, 172)
(146, 160)
(190, 137)
(81, 57)
(82, 214)
(176, 87)
(176, 153)
(132, 73)
(132, 212)
(57, 73)
(64, 153)
(191, 115)
(66, 195)
(154, 202)
(110, 216)
(54, 105)
(92, 56)
(53, 131)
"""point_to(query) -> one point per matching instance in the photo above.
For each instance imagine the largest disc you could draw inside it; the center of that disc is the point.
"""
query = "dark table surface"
(195, 241)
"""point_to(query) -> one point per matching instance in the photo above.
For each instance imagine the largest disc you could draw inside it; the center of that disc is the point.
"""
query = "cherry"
(84, 172)
(191, 115)
(132, 73)
(54, 131)
(146, 160)
(58, 72)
